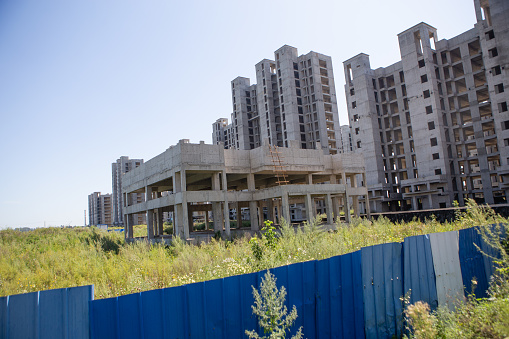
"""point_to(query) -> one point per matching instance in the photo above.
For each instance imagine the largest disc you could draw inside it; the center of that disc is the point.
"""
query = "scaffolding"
(278, 167)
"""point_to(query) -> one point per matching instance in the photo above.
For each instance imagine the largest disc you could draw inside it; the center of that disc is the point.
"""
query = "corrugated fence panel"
(104, 319)
(249, 321)
(3, 317)
(449, 282)
(234, 307)
(59, 313)
(23, 316)
(353, 303)
(382, 280)
(214, 310)
(154, 319)
(339, 304)
(489, 265)
(176, 322)
(419, 274)
(309, 299)
(196, 310)
(472, 262)
(295, 289)
(299, 282)
(323, 298)
(78, 303)
(53, 315)
(129, 316)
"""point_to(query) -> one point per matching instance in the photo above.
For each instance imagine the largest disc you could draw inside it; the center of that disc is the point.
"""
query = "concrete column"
(183, 182)
(226, 213)
(260, 213)
(177, 182)
(430, 199)
(347, 207)
(178, 221)
(309, 208)
(253, 210)
(226, 207)
(150, 224)
(253, 215)
(185, 219)
(217, 216)
(309, 179)
(130, 220)
(160, 222)
(206, 220)
(328, 207)
(126, 228)
(285, 208)
(148, 193)
(368, 205)
(271, 210)
(239, 214)
(190, 219)
(332, 179)
(335, 208)
(215, 182)
(251, 182)
(355, 199)
(354, 180)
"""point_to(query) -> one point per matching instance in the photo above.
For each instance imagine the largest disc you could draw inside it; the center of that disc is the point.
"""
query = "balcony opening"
(455, 55)
(474, 48)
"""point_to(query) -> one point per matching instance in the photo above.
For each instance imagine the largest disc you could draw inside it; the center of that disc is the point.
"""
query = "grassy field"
(49, 258)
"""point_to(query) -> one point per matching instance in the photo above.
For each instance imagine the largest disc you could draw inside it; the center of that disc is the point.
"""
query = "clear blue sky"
(85, 82)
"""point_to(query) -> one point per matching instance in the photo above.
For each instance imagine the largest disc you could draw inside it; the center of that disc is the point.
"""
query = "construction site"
(194, 181)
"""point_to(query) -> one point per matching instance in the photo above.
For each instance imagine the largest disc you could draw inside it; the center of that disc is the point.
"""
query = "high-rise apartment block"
(222, 132)
(118, 169)
(293, 101)
(100, 209)
(434, 127)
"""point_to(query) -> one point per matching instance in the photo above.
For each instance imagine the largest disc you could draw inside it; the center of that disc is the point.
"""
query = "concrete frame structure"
(118, 169)
(100, 210)
(434, 127)
(193, 178)
(294, 100)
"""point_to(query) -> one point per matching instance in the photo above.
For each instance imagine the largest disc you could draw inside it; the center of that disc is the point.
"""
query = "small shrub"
(269, 234)
(420, 321)
(271, 310)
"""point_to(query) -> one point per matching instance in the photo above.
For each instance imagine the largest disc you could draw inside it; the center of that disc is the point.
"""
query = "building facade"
(434, 127)
(118, 169)
(191, 180)
(100, 211)
(222, 133)
(294, 100)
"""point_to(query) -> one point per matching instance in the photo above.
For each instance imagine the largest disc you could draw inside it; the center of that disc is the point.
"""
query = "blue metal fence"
(418, 272)
(60, 313)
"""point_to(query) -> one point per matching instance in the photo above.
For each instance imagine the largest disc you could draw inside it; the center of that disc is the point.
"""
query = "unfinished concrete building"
(434, 127)
(294, 100)
(118, 169)
(100, 211)
(188, 179)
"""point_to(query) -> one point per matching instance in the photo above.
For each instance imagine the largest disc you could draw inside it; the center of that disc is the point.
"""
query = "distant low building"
(100, 209)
